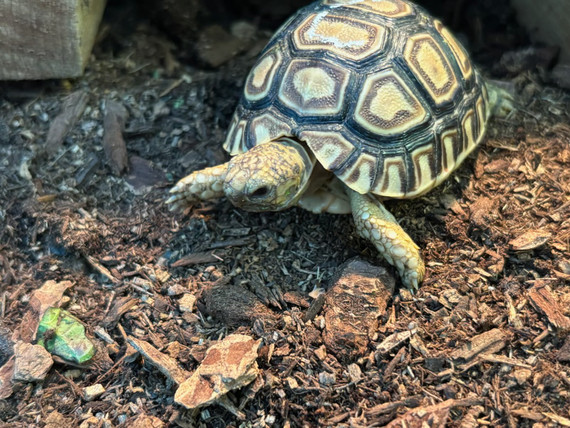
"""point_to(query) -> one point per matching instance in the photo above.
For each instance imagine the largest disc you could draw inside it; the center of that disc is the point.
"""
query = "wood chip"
(530, 240)
(235, 305)
(490, 342)
(101, 269)
(565, 422)
(120, 307)
(431, 416)
(115, 148)
(72, 109)
(385, 408)
(48, 295)
(543, 300)
(196, 258)
(504, 360)
(167, 365)
(527, 414)
(482, 212)
(393, 341)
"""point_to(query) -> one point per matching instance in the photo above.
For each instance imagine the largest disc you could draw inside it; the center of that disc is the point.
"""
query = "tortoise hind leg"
(501, 99)
(378, 225)
(199, 186)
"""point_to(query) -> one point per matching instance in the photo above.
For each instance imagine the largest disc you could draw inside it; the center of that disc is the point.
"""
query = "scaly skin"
(378, 225)
(199, 186)
(268, 177)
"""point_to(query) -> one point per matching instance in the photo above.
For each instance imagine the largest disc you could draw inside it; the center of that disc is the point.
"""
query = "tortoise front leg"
(199, 186)
(377, 224)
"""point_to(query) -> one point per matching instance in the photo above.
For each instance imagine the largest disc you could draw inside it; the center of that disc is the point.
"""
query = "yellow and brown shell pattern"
(381, 92)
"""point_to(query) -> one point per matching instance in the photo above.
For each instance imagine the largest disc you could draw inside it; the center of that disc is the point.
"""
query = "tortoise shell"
(382, 93)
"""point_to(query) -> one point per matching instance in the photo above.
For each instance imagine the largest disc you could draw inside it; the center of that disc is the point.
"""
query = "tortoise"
(350, 103)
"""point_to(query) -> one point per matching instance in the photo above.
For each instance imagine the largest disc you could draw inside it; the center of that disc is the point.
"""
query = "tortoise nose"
(258, 192)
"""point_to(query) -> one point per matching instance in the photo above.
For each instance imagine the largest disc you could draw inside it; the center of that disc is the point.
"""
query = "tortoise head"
(269, 177)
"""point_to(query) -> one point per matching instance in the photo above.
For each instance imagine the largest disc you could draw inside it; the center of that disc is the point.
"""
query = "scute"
(313, 88)
(331, 149)
(360, 175)
(458, 51)
(345, 37)
(267, 127)
(387, 105)
(428, 63)
(234, 140)
(393, 180)
(261, 76)
(386, 8)
(382, 94)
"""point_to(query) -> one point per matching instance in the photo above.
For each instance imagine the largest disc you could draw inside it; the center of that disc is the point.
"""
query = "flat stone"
(31, 362)
(359, 293)
(57, 420)
(186, 302)
(93, 392)
(229, 364)
(146, 421)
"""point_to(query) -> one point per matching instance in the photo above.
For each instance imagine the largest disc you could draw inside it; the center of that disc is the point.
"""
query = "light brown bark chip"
(115, 149)
(47, 296)
(359, 294)
(435, 416)
(543, 300)
(530, 240)
(31, 362)
(72, 109)
(229, 364)
(490, 342)
(167, 365)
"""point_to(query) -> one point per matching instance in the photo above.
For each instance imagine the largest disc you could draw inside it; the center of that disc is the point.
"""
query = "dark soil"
(65, 215)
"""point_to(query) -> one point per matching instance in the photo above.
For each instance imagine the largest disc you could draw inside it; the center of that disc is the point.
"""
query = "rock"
(146, 421)
(360, 292)
(57, 420)
(216, 46)
(48, 295)
(229, 364)
(561, 75)
(563, 354)
(521, 375)
(186, 302)
(326, 378)
(63, 335)
(234, 305)
(530, 240)
(93, 392)
(31, 362)
(482, 212)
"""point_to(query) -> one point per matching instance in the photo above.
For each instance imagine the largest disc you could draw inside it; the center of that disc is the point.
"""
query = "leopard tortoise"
(350, 103)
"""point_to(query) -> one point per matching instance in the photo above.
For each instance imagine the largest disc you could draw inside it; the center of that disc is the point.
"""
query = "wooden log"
(43, 39)
(548, 21)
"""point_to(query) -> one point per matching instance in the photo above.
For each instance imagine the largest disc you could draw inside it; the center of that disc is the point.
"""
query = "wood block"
(43, 39)
(548, 21)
